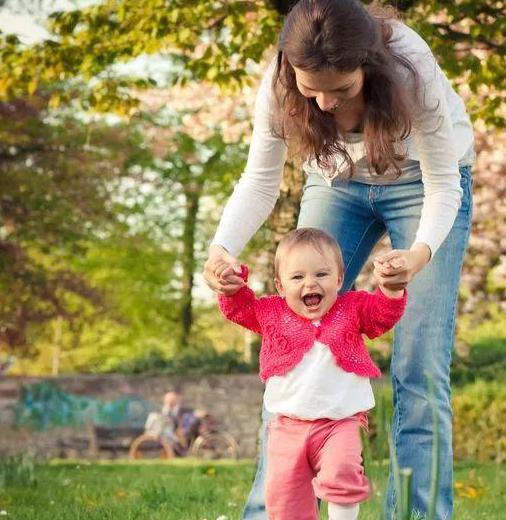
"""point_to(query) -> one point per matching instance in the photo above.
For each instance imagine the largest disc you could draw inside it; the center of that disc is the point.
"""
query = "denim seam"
(352, 257)
(397, 427)
(469, 194)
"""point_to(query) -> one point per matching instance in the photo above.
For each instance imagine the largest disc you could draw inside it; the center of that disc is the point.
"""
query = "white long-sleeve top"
(441, 136)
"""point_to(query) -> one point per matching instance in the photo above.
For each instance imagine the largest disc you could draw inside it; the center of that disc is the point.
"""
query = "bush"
(195, 361)
(479, 422)
(485, 362)
(479, 412)
(484, 346)
(485, 358)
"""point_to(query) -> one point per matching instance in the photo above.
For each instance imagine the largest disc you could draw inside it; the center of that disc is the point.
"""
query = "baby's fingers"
(391, 266)
(232, 279)
(398, 263)
(222, 269)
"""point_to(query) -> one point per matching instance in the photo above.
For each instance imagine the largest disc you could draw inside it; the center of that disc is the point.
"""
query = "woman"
(388, 148)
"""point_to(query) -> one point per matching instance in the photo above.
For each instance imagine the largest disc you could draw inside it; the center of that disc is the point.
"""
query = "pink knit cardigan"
(288, 336)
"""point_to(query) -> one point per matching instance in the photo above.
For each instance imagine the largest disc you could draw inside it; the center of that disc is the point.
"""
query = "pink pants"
(309, 459)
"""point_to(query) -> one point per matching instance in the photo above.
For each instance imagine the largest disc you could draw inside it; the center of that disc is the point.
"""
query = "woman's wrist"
(217, 247)
(422, 254)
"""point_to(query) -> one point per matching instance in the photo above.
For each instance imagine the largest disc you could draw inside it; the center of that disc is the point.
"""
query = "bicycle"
(207, 442)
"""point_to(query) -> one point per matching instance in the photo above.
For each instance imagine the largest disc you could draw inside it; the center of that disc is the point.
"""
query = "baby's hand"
(228, 275)
(222, 271)
(225, 271)
(392, 266)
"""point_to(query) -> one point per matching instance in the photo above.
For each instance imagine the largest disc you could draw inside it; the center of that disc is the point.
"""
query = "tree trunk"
(57, 340)
(192, 193)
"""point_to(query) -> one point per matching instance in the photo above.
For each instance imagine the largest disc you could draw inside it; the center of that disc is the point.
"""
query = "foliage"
(479, 412)
(479, 415)
(51, 200)
(190, 362)
(484, 351)
(194, 168)
(216, 41)
(70, 243)
(83, 237)
(211, 41)
(468, 38)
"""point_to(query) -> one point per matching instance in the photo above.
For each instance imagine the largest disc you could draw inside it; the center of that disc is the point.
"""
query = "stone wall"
(235, 400)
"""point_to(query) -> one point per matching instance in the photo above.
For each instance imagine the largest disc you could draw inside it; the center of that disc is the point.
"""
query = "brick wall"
(235, 400)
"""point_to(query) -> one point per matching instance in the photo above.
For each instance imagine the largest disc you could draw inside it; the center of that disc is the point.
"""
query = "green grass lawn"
(192, 490)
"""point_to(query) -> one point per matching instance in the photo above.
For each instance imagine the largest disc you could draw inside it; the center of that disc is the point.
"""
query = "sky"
(23, 26)
(15, 17)
(29, 30)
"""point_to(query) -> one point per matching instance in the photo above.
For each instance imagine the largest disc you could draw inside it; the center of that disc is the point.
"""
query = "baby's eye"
(321, 275)
(297, 277)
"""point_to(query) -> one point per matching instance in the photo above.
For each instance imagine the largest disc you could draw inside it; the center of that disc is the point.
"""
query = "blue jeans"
(358, 215)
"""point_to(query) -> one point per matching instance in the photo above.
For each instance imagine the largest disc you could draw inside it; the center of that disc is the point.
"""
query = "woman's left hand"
(395, 269)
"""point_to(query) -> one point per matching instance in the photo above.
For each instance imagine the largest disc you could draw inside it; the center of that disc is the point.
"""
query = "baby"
(317, 372)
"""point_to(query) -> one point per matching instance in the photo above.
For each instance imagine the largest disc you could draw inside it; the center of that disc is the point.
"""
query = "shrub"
(195, 361)
(479, 412)
(479, 422)
(484, 347)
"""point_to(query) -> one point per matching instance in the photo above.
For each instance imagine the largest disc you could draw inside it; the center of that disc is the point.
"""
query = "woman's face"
(332, 90)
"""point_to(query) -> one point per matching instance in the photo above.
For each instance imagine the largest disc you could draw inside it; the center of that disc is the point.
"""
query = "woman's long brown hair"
(342, 35)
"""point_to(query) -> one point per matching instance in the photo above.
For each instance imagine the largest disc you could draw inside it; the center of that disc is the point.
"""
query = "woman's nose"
(325, 101)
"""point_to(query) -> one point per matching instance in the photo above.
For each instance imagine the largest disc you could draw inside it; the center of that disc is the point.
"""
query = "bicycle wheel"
(147, 446)
(215, 446)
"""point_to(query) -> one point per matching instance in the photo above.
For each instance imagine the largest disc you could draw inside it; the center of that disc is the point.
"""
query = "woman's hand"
(394, 270)
(222, 271)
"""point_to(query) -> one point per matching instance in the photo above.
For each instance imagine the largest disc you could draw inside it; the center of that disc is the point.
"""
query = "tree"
(76, 240)
(191, 168)
(210, 41)
(51, 198)
(468, 37)
(216, 41)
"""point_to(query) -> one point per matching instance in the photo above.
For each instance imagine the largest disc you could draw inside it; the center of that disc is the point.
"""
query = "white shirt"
(317, 388)
(441, 136)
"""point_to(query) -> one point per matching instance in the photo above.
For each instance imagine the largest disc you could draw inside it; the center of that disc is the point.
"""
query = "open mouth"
(312, 299)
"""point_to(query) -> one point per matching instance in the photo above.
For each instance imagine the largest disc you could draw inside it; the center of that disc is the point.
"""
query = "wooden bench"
(95, 441)
(114, 440)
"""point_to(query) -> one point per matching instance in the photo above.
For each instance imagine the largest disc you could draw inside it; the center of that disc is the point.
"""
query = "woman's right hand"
(222, 271)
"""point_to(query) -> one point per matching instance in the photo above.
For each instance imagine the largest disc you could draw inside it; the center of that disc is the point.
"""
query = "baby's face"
(309, 280)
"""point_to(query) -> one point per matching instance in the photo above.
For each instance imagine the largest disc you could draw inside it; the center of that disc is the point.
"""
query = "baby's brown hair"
(307, 236)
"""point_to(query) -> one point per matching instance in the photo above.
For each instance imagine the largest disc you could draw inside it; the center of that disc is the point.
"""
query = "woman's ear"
(279, 286)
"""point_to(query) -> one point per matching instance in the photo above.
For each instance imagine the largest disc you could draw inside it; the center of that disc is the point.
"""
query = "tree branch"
(460, 36)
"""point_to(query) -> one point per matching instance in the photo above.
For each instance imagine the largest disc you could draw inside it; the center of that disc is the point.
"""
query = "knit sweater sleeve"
(378, 313)
(241, 306)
